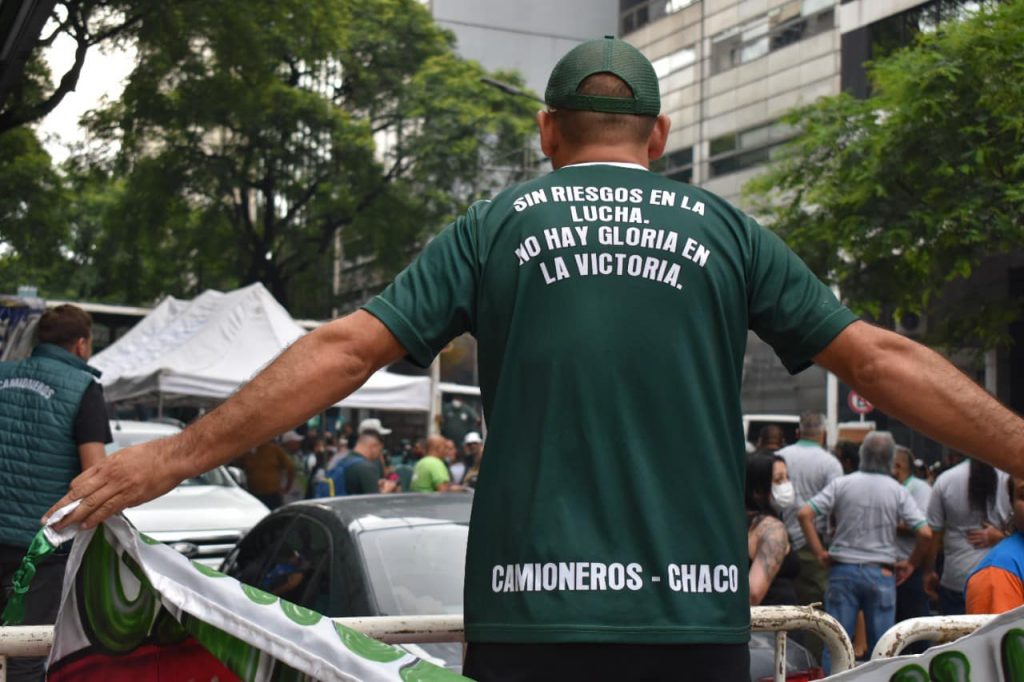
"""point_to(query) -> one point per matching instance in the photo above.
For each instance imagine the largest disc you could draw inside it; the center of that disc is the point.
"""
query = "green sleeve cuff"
(918, 525)
(817, 339)
(418, 349)
(814, 507)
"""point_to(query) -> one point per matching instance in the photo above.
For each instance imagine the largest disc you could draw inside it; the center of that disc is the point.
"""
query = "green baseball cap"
(604, 55)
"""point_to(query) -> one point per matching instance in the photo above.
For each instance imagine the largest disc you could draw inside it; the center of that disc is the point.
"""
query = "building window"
(676, 70)
(634, 14)
(785, 25)
(746, 148)
(877, 40)
(677, 165)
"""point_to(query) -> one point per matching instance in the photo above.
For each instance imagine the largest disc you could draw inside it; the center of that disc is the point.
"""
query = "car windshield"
(417, 570)
(217, 476)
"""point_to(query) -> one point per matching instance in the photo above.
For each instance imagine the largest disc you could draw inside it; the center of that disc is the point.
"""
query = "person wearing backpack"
(360, 472)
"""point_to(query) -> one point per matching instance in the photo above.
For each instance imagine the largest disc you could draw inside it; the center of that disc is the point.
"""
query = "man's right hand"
(824, 558)
(903, 571)
(127, 478)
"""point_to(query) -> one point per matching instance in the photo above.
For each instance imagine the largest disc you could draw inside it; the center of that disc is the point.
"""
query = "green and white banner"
(135, 610)
(993, 653)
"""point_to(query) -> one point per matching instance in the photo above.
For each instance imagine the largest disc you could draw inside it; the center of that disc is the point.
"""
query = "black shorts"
(486, 662)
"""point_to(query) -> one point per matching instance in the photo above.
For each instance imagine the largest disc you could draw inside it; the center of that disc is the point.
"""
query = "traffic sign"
(858, 404)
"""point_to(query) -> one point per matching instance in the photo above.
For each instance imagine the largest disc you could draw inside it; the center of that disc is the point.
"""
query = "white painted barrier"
(935, 629)
(35, 640)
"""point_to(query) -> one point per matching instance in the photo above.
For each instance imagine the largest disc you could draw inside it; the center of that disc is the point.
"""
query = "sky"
(103, 75)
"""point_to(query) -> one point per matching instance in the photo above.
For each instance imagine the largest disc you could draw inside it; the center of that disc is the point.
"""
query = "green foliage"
(250, 132)
(895, 197)
(32, 227)
(87, 23)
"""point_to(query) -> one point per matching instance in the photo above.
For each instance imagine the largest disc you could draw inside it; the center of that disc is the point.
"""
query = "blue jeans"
(861, 587)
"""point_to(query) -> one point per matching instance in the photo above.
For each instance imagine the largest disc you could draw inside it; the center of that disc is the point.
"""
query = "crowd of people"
(357, 463)
(872, 533)
(866, 530)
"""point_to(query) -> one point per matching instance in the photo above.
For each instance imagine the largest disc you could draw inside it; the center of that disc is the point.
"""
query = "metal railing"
(935, 629)
(36, 640)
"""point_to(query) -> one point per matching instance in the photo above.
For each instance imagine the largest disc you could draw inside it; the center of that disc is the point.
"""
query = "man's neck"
(602, 153)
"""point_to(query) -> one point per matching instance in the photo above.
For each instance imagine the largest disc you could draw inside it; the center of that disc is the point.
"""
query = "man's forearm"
(91, 454)
(921, 556)
(811, 534)
(924, 391)
(932, 551)
(315, 372)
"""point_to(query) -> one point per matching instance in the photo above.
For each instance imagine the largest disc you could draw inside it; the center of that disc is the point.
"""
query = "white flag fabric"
(135, 610)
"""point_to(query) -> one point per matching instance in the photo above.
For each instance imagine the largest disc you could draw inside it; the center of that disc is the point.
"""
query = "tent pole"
(160, 406)
(434, 418)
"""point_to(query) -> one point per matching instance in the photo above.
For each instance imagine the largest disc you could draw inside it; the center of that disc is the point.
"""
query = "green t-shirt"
(428, 473)
(611, 306)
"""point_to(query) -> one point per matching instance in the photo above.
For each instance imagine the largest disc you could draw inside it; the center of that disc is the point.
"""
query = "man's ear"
(549, 133)
(82, 348)
(659, 137)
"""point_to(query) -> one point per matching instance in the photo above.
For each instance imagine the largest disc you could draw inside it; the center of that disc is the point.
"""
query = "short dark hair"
(64, 325)
(589, 127)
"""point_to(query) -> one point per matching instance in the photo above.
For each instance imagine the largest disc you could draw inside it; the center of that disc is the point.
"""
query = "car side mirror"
(238, 475)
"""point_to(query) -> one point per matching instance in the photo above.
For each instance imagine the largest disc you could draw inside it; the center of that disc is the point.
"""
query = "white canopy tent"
(201, 351)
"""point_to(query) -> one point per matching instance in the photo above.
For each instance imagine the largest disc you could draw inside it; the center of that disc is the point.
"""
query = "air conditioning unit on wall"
(912, 324)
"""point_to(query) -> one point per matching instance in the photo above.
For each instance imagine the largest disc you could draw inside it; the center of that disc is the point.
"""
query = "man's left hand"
(985, 537)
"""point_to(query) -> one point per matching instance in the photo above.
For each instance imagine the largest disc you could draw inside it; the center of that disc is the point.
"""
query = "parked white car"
(204, 516)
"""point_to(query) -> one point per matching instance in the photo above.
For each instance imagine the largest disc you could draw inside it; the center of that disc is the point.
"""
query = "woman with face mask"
(773, 562)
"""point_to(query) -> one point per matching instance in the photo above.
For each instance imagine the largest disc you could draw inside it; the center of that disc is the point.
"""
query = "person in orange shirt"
(997, 583)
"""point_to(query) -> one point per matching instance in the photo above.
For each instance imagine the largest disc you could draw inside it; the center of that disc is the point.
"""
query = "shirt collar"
(54, 352)
(620, 164)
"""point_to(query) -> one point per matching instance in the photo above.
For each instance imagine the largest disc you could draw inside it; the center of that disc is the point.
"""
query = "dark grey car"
(389, 555)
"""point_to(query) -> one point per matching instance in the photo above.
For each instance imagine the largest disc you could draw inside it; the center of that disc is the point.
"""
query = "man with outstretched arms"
(594, 552)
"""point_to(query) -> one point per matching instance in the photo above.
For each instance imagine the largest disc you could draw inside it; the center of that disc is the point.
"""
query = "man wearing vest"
(611, 306)
(53, 425)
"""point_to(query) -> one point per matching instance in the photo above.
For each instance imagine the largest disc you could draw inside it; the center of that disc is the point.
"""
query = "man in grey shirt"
(811, 468)
(862, 561)
(911, 599)
(969, 530)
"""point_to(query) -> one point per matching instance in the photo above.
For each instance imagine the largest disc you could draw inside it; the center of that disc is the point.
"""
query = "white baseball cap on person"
(373, 424)
(472, 437)
(291, 437)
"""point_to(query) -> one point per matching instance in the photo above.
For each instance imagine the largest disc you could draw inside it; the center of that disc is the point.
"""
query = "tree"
(37, 242)
(896, 196)
(32, 226)
(88, 23)
(251, 133)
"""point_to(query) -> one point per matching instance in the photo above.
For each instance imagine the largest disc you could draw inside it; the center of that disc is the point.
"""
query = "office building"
(730, 69)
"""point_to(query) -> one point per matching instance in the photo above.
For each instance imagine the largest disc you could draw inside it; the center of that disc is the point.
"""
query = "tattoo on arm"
(772, 547)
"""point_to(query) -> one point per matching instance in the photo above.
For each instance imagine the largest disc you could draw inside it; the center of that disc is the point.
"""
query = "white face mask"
(783, 495)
